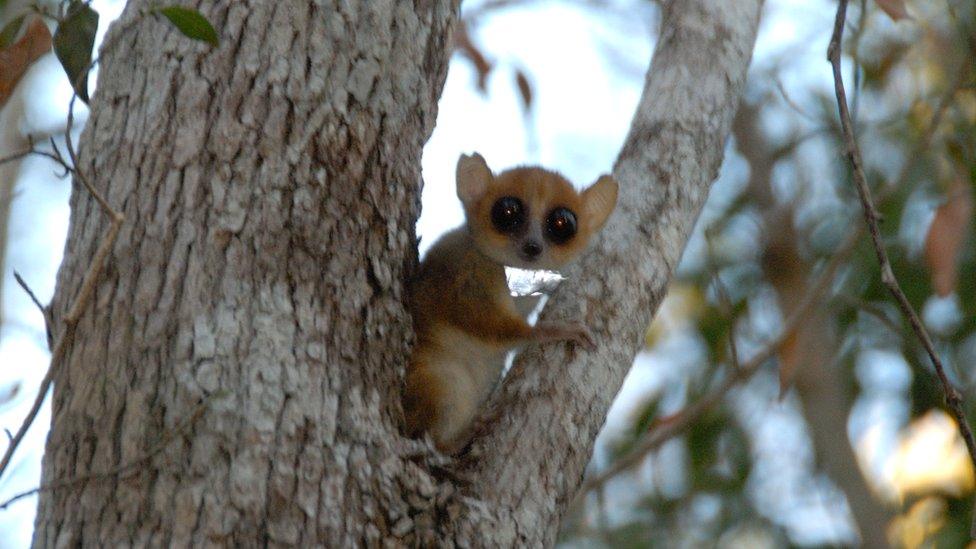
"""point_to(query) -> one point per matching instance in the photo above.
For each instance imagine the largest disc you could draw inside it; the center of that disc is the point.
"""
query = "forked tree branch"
(952, 396)
(547, 414)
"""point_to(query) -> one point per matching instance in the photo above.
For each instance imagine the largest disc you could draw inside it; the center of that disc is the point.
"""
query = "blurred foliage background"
(780, 400)
(840, 436)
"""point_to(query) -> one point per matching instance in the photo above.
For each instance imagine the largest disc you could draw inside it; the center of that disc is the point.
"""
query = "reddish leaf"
(789, 356)
(946, 237)
(664, 422)
(18, 57)
(464, 44)
(525, 89)
(894, 8)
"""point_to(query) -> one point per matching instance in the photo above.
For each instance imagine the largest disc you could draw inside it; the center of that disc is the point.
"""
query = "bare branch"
(74, 160)
(81, 300)
(853, 153)
(30, 292)
(60, 158)
(30, 151)
(45, 313)
(120, 469)
(28, 420)
(677, 423)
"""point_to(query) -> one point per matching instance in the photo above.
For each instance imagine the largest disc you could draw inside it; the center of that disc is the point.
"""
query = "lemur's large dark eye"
(508, 214)
(560, 225)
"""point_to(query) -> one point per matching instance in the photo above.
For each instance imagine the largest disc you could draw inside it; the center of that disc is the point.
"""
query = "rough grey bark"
(270, 188)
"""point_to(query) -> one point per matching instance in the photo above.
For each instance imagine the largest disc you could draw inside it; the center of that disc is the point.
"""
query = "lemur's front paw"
(559, 331)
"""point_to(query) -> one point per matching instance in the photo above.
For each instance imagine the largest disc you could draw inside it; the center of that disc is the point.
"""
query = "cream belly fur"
(471, 367)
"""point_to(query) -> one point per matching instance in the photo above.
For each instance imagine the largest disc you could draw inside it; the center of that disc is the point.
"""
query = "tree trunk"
(236, 378)
(270, 188)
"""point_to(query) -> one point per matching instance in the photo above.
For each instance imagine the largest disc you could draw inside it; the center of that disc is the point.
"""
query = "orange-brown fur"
(464, 316)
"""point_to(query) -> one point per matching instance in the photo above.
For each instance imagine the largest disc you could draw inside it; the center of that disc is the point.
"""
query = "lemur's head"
(530, 217)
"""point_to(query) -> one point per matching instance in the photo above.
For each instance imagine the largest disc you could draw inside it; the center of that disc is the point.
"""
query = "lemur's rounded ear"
(473, 177)
(599, 200)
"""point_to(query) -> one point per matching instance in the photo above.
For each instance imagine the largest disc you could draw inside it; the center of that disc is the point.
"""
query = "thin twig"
(28, 420)
(45, 313)
(952, 397)
(30, 293)
(120, 469)
(80, 302)
(677, 423)
(28, 152)
(60, 159)
(66, 337)
(81, 176)
(55, 155)
(90, 279)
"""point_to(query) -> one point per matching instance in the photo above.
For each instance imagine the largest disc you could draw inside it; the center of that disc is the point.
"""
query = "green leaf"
(190, 23)
(73, 43)
(10, 30)
(648, 414)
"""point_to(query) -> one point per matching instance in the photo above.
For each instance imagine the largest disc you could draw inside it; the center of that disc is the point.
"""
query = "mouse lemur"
(463, 312)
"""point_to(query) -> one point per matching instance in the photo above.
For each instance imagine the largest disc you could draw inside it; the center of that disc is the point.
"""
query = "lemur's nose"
(531, 249)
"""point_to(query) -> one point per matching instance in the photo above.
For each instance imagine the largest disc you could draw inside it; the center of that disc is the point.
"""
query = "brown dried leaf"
(467, 47)
(524, 88)
(666, 421)
(946, 237)
(18, 57)
(789, 357)
(894, 8)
